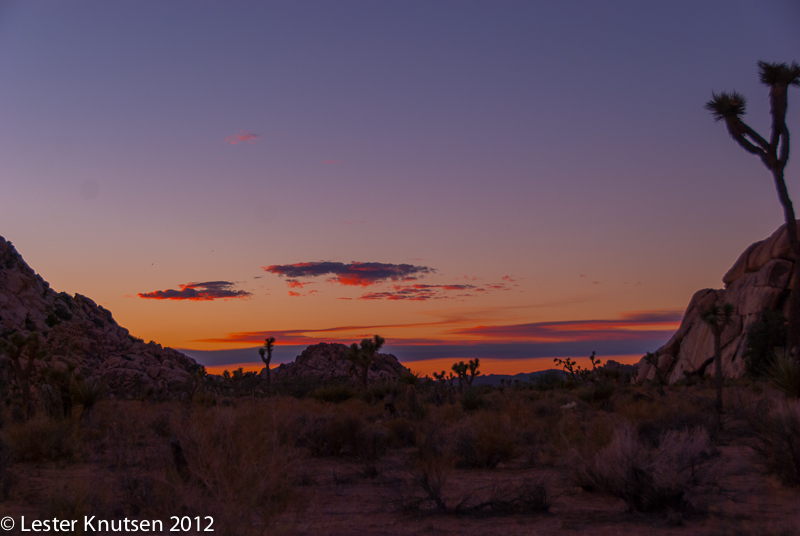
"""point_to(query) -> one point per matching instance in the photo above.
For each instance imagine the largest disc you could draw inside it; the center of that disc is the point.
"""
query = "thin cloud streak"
(636, 329)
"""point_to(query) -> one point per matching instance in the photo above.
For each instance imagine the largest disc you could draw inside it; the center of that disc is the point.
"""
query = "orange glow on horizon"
(510, 366)
(487, 366)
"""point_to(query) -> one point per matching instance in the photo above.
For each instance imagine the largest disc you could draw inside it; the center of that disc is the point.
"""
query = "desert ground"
(417, 457)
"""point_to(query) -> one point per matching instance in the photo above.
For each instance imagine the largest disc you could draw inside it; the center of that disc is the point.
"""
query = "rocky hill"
(327, 362)
(760, 279)
(79, 334)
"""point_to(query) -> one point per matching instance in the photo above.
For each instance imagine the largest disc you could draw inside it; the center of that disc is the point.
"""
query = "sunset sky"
(509, 180)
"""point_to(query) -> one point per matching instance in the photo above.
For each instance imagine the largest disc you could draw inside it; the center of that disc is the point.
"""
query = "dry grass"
(252, 463)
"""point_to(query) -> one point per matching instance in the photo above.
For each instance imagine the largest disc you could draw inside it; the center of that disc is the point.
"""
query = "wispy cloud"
(354, 274)
(242, 137)
(210, 290)
(640, 325)
(635, 332)
(421, 292)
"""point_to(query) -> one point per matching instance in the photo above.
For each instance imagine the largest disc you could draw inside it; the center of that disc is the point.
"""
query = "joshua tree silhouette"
(364, 357)
(730, 107)
(266, 357)
(717, 318)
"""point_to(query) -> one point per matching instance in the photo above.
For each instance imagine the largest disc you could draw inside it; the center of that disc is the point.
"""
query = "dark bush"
(763, 338)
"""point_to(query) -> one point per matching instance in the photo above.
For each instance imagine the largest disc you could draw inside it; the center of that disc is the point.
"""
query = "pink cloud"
(241, 137)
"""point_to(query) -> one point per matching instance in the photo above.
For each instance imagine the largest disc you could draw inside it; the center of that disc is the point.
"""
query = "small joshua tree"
(363, 357)
(730, 107)
(460, 369)
(266, 357)
(717, 318)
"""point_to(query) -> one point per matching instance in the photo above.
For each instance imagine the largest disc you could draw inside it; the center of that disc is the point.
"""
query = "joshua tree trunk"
(266, 357)
(717, 318)
(793, 335)
(718, 370)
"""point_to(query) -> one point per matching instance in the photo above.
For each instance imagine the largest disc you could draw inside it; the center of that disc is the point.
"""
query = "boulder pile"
(80, 335)
(327, 362)
(760, 279)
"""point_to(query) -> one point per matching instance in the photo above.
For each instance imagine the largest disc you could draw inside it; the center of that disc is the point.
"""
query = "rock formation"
(760, 279)
(81, 335)
(328, 362)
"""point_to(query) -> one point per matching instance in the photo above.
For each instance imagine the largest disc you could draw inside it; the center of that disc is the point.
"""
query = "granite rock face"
(79, 334)
(760, 279)
(327, 362)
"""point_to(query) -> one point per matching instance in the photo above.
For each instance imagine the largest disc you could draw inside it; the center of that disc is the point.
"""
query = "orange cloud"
(241, 137)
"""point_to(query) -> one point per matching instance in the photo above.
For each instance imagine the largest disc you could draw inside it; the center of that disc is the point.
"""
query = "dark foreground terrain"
(601, 459)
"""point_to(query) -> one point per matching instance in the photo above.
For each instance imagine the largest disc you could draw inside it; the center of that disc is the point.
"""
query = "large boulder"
(328, 362)
(80, 335)
(760, 279)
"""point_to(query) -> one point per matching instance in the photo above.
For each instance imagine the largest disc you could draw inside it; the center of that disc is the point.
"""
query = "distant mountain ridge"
(80, 334)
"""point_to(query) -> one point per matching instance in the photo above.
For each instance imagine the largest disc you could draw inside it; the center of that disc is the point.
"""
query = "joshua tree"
(461, 369)
(730, 107)
(364, 357)
(717, 318)
(17, 348)
(267, 351)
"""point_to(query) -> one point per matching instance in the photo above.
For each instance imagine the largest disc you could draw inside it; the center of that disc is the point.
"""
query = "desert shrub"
(763, 337)
(401, 432)
(330, 435)
(676, 476)
(297, 387)
(548, 380)
(239, 466)
(471, 399)
(334, 393)
(431, 466)
(486, 440)
(371, 445)
(653, 417)
(784, 373)
(42, 439)
(379, 391)
(598, 394)
(88, 394)
(777, 438)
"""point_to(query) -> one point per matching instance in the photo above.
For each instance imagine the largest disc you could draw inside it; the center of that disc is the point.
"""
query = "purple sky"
(554, 155)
